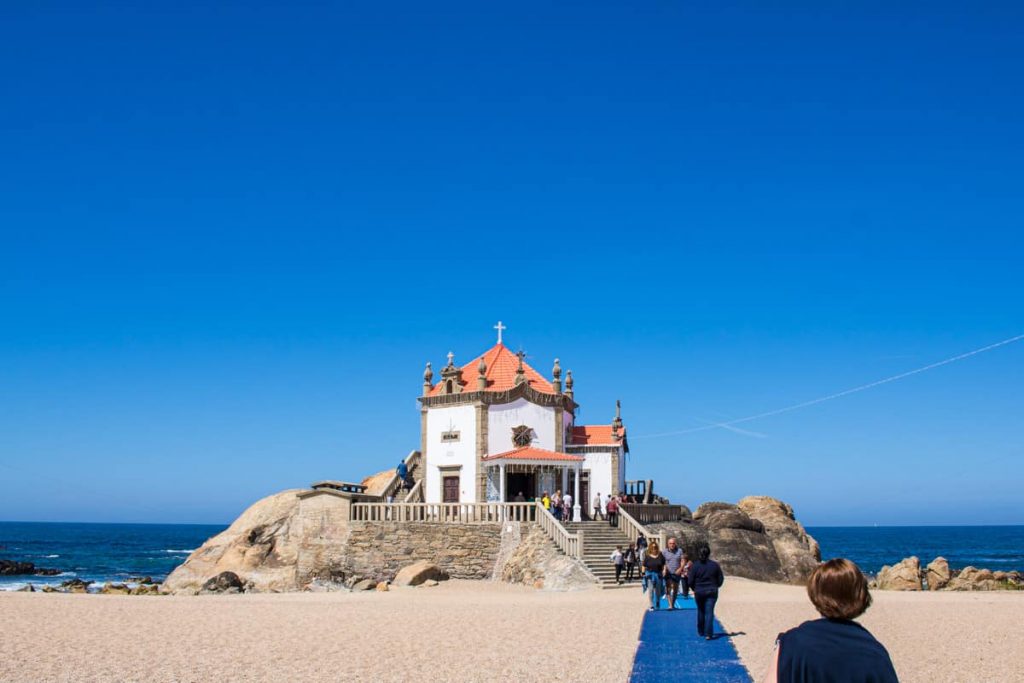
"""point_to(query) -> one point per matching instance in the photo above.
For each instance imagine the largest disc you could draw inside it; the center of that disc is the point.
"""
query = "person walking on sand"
(630, 558)
(673, 570)
(705, 578)
(835, 648)
(654, 567)
(619, 560)
(597, 507)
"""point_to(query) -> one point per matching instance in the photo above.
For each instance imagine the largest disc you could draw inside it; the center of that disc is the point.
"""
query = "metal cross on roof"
(499, 327)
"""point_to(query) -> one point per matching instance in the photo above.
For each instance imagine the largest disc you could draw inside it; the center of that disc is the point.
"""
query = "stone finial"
(520, 371)
(451, 359)
(481, 380)
(556, 374)
(617, 422)
(428, 379)
(568, 383)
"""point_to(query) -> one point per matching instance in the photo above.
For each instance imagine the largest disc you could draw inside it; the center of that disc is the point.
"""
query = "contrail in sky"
(830, 397)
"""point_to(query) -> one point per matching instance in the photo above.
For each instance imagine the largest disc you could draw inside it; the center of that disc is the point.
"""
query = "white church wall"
(502, 418)
(600, 466)
(461, 419)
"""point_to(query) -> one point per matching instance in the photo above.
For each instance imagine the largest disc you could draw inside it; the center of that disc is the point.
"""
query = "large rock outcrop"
(797, 551)
(260, 547)
(757, 539)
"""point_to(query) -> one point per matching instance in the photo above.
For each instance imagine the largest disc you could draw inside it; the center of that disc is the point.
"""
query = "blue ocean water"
(99, 552)
(991, 547)
(117, 552)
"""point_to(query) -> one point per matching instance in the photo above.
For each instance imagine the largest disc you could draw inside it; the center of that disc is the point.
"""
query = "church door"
(451, 490)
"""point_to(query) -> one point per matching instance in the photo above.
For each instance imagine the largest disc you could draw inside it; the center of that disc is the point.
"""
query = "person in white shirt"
(597, 507)
(568, 507)
(619, 561)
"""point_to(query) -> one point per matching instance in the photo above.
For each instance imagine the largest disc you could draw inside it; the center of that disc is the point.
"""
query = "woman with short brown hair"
(833, 649)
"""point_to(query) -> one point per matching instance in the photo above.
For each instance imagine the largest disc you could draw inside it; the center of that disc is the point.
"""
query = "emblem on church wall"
(522, 436)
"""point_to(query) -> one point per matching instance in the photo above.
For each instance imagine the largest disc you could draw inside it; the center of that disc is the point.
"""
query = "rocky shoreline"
(908, 575)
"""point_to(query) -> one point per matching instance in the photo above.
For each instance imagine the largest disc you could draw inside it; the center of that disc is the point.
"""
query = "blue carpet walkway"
(671, 650)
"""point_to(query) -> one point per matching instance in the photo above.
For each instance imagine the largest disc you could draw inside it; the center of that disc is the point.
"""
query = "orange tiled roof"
(533, 453)
(501, 373)
(595, 435)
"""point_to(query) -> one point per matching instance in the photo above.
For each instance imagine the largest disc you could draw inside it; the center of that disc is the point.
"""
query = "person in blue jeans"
(704, 579)
(654, 567)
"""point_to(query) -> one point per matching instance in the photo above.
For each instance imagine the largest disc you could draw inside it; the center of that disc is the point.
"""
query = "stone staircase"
(599, 540)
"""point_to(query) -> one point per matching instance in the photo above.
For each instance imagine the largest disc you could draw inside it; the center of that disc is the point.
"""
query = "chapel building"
(495, 428)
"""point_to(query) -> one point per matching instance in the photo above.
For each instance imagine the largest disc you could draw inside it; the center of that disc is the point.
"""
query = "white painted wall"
(463, 452)
(502, 418)
(600, 466)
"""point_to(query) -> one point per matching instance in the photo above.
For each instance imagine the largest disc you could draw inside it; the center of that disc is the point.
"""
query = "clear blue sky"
(232, 235)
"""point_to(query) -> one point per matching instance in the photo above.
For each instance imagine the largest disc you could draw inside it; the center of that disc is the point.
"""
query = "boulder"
(382, 587)
(146, 589)
(225, 582)
(974, 579)
(738, 542)
(27, 588)
(797, 551)
(905, 575)
(260, 547)
(529, 558)
(364, 585)
(115, 589)
(50, 589)
(937, 574)
(431, 582)
(76, 586)
(418, 572)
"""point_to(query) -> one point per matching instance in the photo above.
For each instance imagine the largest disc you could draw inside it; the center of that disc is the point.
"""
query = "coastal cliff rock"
(259, 547)
(797, 551)
(937, 574)
(905, 575)
(739, 543)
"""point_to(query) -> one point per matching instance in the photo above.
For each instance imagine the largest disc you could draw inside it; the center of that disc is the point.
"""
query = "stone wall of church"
(378, 550)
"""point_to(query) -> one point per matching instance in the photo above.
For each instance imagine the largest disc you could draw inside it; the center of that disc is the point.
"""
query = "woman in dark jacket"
(833, 649)
(704, 579)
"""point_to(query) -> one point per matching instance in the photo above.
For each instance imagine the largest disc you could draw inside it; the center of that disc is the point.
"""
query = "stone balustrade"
(444, 513)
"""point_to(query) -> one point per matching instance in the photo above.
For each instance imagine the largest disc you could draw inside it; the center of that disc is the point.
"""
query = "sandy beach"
(457, 631)
(932, 637)
(460, 631)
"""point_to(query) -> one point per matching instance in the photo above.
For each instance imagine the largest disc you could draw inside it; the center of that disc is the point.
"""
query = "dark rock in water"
(76, 586)
(140, 579)
(27, 588)
(13, 568)
(225, 582)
